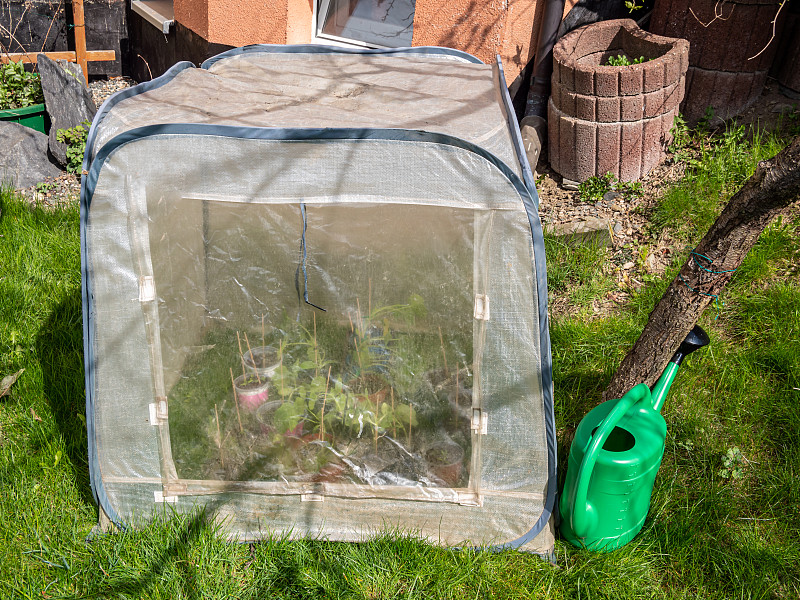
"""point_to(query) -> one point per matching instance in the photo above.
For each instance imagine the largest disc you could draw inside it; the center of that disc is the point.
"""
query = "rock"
(585, 231)
(627, 266)
(23, 156)
(570, 185)
(617, 227)
(66, 98)
(611, 196)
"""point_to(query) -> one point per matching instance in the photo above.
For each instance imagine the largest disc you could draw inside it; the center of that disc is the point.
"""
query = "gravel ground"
(65, 188)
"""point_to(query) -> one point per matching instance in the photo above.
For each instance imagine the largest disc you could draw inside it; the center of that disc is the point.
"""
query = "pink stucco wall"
(242, 22)
(484, 28)
(481, 27)
(193, 14)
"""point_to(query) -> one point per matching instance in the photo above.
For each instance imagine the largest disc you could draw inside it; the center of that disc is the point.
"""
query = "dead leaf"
(8, 381)
(35, 416)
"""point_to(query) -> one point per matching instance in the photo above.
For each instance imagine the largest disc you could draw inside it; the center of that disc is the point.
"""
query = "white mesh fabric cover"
(192, 240)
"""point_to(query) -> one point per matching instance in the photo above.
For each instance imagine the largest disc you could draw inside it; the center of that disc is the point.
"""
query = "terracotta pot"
(613, 119)
(722, 72)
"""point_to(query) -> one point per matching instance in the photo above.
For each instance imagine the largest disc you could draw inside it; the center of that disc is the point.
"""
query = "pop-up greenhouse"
(315, 300)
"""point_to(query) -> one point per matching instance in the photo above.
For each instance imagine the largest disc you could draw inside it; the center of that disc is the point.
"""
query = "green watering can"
(614, 459)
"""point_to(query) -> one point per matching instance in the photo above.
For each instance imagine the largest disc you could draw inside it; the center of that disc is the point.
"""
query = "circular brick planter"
(720, 73)
(605, 119)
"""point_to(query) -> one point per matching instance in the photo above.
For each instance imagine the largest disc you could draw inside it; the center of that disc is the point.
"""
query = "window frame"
(320, 8)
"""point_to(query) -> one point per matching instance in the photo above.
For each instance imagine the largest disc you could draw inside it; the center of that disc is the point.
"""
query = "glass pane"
(377, 390)
(380, 22)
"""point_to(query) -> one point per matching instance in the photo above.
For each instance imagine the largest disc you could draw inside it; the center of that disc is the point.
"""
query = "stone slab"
(23, 156)
(66, 98)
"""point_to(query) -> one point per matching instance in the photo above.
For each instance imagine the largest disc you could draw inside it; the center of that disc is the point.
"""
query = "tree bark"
(774, 186)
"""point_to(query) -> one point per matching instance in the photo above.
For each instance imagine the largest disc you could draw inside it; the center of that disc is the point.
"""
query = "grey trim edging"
(544, 322)
(322, 49)
(95, 479)
(118, 97)
(527, 194)
(516, 134)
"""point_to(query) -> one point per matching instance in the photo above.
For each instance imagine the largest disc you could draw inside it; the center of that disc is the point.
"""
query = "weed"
(75, 139)
(633, 5)
(594, 188)
(704, 124)
(733, 464)
(681, 137)
(622, 60)
(43, 187)
(717, 166)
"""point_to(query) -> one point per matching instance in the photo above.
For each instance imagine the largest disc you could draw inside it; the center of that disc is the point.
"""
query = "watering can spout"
(695, 339)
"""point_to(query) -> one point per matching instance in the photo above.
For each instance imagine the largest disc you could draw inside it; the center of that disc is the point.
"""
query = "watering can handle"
(580, 520)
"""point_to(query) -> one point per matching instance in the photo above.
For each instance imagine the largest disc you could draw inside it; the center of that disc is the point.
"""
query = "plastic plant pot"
(265, 415)
(34, 117)
(262, 360)
(250, 392)
(446, 460)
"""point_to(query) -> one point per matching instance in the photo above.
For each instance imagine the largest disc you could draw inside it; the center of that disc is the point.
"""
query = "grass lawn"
(725, 515)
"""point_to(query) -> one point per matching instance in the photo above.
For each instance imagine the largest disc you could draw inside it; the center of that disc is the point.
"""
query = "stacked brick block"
(605, 119)
(731, 50)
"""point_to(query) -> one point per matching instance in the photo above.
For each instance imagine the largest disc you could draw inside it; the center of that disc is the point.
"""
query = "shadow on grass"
(59, 345)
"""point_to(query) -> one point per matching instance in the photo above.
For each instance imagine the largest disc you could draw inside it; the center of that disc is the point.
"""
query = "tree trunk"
(774, 186)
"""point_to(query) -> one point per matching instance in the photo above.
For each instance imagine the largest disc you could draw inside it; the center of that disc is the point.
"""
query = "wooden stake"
(394, 421)
(316, 354)
(455, 412)
(81, 55)
(280, 362)
(322, 414)
(252, 357)
(377, 419)
(241, 354)
(79, 26)
(410, 418)
(219, 438)
(236, 401)
(263, 343)
(444, 355)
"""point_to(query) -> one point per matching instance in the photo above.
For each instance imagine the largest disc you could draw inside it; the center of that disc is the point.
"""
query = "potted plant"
(263, 360)
(21, 97)
(251, 391)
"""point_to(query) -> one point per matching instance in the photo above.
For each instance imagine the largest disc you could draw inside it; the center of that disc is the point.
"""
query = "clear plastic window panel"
(377, 22)
(369, 385)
